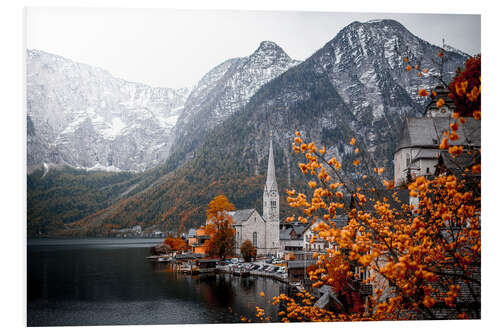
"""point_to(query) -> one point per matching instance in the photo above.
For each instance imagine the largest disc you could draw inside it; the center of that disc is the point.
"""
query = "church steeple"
(271, 203)
(271, 184)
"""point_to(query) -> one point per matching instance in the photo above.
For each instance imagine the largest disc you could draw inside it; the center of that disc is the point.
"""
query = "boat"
(163, 259)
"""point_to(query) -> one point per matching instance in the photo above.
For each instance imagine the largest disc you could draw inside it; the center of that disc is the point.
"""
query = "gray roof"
(426, 154)
(271, 184)
(299, 229)
(189, 256)
(465, 160)
(428, 131)
(300, 263)
(242, 215)
(285, 234)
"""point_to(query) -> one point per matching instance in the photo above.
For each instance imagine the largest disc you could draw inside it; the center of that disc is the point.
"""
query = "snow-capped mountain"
(225, 89)
(356, 85)
(365, 65)
(82, 116)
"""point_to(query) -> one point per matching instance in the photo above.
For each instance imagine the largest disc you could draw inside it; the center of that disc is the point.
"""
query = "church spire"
(271, 183)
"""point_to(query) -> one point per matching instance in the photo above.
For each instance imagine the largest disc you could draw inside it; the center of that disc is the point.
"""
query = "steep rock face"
(364, 63)
(354, 86)
(225, 89)
(82, 116)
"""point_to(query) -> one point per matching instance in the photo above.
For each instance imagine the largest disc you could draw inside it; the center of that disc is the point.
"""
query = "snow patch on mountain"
(227, 88)
(84, 117)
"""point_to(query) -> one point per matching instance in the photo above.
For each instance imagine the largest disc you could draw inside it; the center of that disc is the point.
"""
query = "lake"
(109, 282)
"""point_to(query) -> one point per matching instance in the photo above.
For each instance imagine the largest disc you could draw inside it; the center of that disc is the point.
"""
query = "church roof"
(457, 164)
(271, 184)
(427, 132)
(242, 215)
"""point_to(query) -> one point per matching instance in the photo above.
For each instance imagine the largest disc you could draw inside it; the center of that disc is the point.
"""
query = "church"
(262, 231)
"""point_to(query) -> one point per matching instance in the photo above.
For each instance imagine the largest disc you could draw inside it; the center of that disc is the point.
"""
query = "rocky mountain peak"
(269, 54)
(269, 48)
(227, 88)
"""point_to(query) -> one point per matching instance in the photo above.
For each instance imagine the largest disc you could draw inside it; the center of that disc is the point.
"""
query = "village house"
(291, 236)
(198, 241)
(295, 238)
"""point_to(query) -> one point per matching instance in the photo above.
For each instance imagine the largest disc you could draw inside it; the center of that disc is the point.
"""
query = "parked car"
(234, 260)
(282, 270)
(240, 259)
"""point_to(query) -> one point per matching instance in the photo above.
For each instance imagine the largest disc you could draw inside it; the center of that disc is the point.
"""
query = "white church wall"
(256, 224)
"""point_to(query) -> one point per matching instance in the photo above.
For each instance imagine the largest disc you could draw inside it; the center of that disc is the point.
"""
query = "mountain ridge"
(356, 85)
(67, 101)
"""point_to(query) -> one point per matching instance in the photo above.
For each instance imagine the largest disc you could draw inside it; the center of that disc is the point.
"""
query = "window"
(273, 204)
(428, 170)
(362, 273)
(255, 238)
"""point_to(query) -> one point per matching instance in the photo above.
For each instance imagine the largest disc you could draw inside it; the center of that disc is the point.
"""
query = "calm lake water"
(108, 282)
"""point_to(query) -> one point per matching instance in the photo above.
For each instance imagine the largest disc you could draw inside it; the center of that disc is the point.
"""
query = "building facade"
(418, 151)
(249, 225)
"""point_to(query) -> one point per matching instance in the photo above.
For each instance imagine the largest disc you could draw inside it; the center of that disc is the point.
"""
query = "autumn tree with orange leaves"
(176, 244)
(248, 251)
(421, 258)
(219, 227)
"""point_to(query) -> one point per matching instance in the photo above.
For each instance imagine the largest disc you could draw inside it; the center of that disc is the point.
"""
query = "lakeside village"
(284, 251)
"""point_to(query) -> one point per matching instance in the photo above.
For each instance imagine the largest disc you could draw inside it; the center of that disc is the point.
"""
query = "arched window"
(255, 238)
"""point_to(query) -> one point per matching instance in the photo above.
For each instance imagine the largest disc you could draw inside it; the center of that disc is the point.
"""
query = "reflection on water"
(91, 283)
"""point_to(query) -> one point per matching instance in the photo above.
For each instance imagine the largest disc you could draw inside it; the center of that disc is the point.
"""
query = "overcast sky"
(174, 48)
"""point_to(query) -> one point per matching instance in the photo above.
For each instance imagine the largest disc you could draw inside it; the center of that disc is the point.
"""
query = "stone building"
(249, 225)
(418, 151)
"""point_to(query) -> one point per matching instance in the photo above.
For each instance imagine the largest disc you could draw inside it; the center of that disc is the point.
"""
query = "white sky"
(175, 48)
